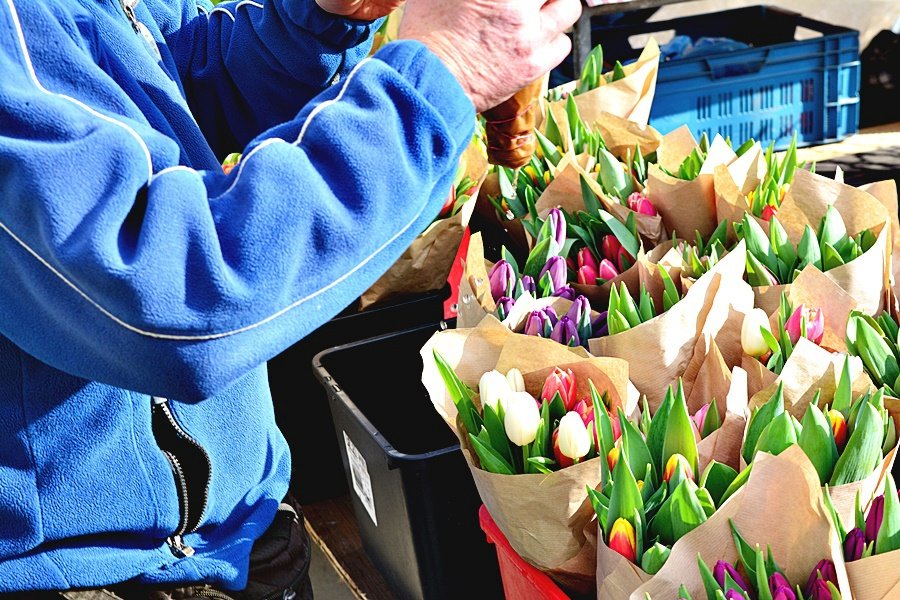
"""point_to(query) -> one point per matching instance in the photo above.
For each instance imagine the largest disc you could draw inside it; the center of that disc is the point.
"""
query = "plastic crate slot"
(746, 97)
(809, 90)
(766, 97)
(725, 104)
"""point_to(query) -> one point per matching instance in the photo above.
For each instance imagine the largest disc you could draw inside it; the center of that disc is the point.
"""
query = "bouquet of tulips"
(524, 409)
(758, 340)
(757, 575)
(625, 92)
(872, 545)
(874, 340)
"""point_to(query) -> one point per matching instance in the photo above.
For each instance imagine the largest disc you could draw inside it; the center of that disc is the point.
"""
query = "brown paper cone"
(886, 193)
(843, 497)
(758, 376)
(621, 136)
(876, 577)
(729, 391)
(628, 98)
(660, 349)
(792, 519)
(815, 289)
(510, 127)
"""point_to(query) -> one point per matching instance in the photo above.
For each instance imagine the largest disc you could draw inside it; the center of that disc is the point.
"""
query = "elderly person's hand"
(493, 47)
(362, 10)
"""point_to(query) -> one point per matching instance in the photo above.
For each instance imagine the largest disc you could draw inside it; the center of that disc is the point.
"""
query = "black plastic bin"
(316, 465)
(412, 494)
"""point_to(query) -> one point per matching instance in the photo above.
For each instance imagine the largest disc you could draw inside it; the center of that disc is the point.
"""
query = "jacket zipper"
(191, 509)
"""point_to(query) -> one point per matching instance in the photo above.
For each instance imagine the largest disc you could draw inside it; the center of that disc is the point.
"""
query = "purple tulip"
(721, 568)
(823, 572)
(820, 591)
(504, 305)
(599, 325)
(854, 544)
(565, 332)
(557, 222)
(874, 518)
(580, 313)
(528, 284)
(538, 324)
(567, 292)
(551, 314)
(733, 594)
(502, 278)
(781, 587)
(556, 267)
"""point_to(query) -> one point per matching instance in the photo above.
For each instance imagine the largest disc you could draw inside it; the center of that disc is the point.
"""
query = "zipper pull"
(178, 547)
(128, 9)
(158, 400)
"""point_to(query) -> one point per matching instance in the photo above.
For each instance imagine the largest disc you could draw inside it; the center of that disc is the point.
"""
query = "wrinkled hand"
(493, 47)
(361, 10)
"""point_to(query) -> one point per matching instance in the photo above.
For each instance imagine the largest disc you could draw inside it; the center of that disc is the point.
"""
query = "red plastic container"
(521, 581)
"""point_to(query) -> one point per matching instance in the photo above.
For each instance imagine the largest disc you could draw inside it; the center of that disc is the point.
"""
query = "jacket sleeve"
(247, 66)
(121, 266)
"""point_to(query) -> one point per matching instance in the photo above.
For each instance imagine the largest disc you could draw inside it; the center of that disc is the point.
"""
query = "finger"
(559, 15)
(556, 51)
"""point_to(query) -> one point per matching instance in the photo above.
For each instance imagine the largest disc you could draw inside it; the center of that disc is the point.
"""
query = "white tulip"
(522, 418)
(515, 379)
(491, 387)
(573, 437)
(752, 341)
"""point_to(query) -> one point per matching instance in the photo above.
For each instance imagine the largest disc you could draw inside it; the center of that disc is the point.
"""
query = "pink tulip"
(815, 324)
(562, 382)
(639, 203)
(607, 270)
(587, 275)
(586, 258)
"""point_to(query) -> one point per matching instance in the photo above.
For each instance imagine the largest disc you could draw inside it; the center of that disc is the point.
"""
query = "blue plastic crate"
(779, 86)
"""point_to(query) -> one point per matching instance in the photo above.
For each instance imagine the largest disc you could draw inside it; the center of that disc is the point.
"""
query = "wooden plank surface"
(332, 526)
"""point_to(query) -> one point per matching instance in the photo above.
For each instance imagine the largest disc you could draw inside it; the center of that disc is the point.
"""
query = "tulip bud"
(565, 332)
(522, 418)
(502, 278)
(616, 427)
(504, 306)
(823, 572)
(551, 315)
(699, 417)
(676, 463)
(586, 258)
(641, 204)
(612, 457)
(838, 427)
(557, 226)
(854, 544)
(538, 324)
(721, 568)
(528, 284)
(561, 459)
(820, 591)
(607, 270)
(566, 292)
(515, 379)
(815, 324)
(733, 594)
(654, 558)
(574, 439)
(491, 388)
(621, 539)
(624, 260)
(610, 247)
(874, 518)
(563, 383)
(768, 212)
(779, 583)
(752, 340)
(556, 267)
(587, 275)
(585, 410)
(580, 314)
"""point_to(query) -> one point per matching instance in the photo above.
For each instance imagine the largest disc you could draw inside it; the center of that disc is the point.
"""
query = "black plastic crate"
(413, 495)
(316, 472)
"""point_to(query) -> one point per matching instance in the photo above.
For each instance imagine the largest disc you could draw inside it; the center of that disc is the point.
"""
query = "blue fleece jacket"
(133, 267)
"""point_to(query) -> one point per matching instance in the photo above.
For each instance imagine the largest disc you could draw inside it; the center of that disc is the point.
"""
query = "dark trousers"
(279, 570)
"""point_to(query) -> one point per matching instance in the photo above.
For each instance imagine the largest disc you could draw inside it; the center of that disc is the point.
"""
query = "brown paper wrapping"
(886, 193)
(426, 264)
(876, 577)
(791, 518)
(510, 127)
(843, 497)
(628, 98)
(617, 577)
(621, 135)
(686, 207)
(542, 516)
(659, 350)
(728, 389)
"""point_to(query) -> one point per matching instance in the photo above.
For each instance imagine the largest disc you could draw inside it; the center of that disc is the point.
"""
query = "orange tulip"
(838, 427)
(675, 461)
(612, 458)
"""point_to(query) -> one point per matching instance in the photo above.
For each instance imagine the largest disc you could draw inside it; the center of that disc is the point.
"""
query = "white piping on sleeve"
(31, 72)
(239, 4)
(150, 177)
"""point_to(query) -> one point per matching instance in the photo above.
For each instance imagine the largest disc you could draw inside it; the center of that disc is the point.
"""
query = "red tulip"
(587, 275)
(586, 257)
(562, 382)
(838, 427)
(610, 247)
(768, 212)
(621, 539)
